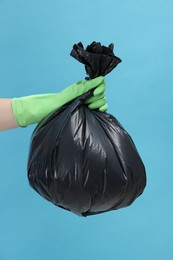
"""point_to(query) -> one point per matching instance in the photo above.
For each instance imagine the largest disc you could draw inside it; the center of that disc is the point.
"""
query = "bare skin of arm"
(28, 110)
(7, 120)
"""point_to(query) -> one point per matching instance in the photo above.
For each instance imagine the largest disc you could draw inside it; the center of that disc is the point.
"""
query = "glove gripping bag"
(84, 161)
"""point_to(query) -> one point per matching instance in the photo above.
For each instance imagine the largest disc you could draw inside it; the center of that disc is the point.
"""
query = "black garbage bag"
(81, 160)
(98, 59)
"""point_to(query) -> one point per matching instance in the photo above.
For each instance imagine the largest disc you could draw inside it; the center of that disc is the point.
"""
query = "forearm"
(24, 111)
(7, 120)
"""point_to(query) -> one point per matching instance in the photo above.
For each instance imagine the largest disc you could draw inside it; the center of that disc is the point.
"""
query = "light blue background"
(36, 37)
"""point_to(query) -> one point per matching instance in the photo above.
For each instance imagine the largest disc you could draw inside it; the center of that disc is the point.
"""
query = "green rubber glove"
(32, 109)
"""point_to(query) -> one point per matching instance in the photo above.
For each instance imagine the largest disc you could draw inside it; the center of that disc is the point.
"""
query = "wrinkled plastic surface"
(98, 59)
(84, 161)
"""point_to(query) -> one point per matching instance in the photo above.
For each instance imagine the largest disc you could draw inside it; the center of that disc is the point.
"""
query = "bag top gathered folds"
(83, 160)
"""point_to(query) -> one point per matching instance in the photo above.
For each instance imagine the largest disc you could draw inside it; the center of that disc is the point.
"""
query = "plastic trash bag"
(84, 161)
(98, 59)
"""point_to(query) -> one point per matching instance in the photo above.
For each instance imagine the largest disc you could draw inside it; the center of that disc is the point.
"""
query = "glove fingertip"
(96, 81)
(90, 106)
(99, 89)
(100, 78)
(104, 108)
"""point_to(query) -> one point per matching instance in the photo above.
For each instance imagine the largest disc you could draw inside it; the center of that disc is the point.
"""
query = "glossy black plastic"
(84, 161)
(98, 59)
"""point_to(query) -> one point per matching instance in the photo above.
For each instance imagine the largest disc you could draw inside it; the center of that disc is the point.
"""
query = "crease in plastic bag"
(84, 161)
(98, 59)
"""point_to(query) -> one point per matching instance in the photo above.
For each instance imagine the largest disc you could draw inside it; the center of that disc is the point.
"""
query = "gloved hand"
(32, 109)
